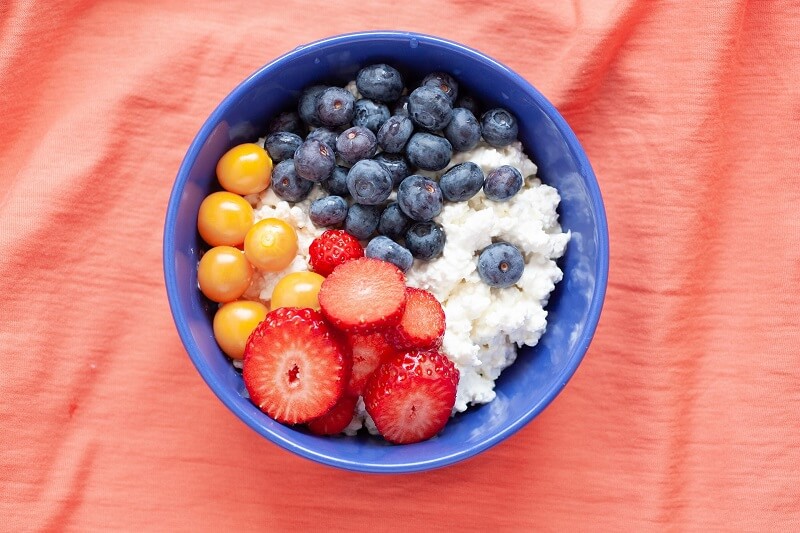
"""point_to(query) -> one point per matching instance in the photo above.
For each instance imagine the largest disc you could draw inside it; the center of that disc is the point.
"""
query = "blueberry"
(380, 82)
(356, 143)
(328, 211)
(337, 183)
(500, 265)
(401, 107)
(369, 182)
(419, 198)
(502, 183)
(463, 132)
(442, 81)
(394, 223)
(307, 105)
(335, 106)
(362, 220)
(385, 248)
(396, 164)
(425, 240)
(282, 145)
(326, 135)
(499, 127)
(370, 114)
(468, 102)
(394, 134)
(287, 184)
(428, 151)
(314, 160)
(429, 108)
(288, 121)
(461, 182)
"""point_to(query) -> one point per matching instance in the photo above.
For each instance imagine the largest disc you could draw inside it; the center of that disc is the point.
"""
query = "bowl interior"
(539, 373)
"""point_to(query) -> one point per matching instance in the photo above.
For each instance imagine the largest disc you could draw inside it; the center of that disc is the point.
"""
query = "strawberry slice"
(334, 421)
(369, 351)
(363, 295)
(410, 397)
(422, 324)
(295, 368)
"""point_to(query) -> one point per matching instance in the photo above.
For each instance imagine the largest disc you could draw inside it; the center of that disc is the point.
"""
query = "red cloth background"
(685, 413)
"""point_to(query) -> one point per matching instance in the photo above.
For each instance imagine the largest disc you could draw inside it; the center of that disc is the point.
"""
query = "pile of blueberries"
(377, 150)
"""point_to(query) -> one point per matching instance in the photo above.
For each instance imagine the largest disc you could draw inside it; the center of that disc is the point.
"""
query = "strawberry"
(369, 351)
(331, 249)
(410, 397)
(295, 367)
(363, 295)
(422, 324)
(334, 421)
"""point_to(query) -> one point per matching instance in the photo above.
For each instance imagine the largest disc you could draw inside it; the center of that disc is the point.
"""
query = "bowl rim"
(219, 388)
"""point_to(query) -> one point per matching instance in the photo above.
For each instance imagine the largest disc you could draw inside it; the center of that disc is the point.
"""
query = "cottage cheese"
(484, 326)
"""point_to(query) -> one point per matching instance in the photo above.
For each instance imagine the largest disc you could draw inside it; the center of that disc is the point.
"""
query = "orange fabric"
(685, 413)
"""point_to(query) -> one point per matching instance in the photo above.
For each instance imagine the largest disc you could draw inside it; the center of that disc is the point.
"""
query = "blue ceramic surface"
(539, 373)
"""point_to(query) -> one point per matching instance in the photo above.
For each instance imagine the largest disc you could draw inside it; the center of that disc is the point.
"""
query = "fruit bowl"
(539, 373)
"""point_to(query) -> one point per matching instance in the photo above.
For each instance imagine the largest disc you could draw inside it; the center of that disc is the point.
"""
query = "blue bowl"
(538, 375)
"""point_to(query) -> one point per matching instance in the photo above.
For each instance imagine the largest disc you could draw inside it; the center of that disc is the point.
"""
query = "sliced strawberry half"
(336, 419)
(422, 324)
(369, 351)
(295, 367)
(363, 295)
(410, 397)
